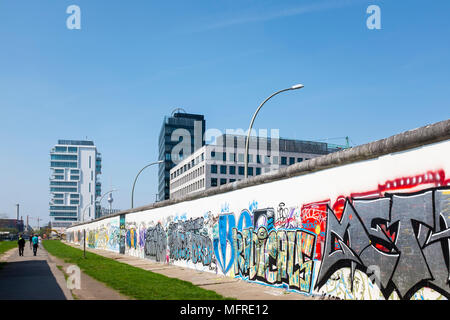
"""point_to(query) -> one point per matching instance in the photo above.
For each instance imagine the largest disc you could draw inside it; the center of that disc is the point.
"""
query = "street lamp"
(295, 87)
(134, 183)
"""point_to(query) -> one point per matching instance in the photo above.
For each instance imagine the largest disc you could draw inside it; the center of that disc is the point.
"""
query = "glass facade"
(191, 123)
(63, 189)
(63, 183)
(63, 157)
(63, 164)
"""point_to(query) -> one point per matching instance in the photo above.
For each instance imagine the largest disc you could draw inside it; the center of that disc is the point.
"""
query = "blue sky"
(133, 62)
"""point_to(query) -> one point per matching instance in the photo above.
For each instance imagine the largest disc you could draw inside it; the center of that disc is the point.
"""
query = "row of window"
(63, 157)
(66, 149)
(259, 158)
(61, 171)
(57, 164)
(63, 214)
(188, 166)
(54, 189)
(221, 181)
(66, 208)
(61, 196)
(58, 177)
(190, 188)
(63, 183)
(192, 175)
(232, 170)
(232, 157)
(60, 201)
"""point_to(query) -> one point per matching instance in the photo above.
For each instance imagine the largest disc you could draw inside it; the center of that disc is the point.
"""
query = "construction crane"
(347, 140)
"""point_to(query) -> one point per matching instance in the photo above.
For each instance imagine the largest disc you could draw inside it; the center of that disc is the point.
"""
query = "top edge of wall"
(410, 139)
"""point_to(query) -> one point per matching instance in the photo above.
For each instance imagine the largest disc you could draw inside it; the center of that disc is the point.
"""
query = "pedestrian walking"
(21, 243)
(35, 244)
(31, 241)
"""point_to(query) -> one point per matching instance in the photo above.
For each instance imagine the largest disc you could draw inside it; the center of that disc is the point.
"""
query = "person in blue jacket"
(35, 244)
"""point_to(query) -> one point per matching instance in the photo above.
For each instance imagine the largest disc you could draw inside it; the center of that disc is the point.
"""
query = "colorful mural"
(388, 241)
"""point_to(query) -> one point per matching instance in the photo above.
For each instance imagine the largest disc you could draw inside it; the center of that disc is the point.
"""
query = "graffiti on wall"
(155, 243)
(401, 240)
(104, 236)
(392, 242)
(189, 240)
(260, 252)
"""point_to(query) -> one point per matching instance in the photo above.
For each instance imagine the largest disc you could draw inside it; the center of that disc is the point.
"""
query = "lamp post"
(295, 87)
(134, 183)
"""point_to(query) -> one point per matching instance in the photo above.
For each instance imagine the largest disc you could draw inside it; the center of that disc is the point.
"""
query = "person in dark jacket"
(21, 243)
(31, 241)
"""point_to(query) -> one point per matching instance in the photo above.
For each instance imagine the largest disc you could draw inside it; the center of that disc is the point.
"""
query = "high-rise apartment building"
(74, 183)
(180, 129)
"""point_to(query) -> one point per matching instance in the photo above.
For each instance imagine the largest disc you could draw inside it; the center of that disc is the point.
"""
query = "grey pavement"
(31, 277)
(226, 286)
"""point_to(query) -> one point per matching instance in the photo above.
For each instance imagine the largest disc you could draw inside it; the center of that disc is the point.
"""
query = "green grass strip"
(6, 245)
(128, 280)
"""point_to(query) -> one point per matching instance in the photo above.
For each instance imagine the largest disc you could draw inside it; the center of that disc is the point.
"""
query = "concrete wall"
(364, 225)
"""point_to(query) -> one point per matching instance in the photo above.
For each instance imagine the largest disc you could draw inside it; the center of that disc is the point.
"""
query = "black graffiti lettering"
(156, 243)
(436, 249)
(385, 259)
(411, 267)
(406, 236)
(186, 242)
(264, 217)
(345, 241)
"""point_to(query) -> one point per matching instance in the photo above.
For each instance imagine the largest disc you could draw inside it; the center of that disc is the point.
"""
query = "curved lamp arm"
(295, 87)
(134, 183)
(101, 198)
(96, 201)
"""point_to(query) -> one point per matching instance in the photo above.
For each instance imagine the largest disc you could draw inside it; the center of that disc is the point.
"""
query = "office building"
(181, 134)
(74, 182)
(223, 162)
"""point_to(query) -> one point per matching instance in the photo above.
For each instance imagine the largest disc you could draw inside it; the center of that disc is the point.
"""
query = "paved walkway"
(31, 277)
(90, 288)
(226, 286)
(41, 277)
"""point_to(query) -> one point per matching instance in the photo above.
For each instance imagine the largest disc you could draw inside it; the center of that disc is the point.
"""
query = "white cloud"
(283, 13)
